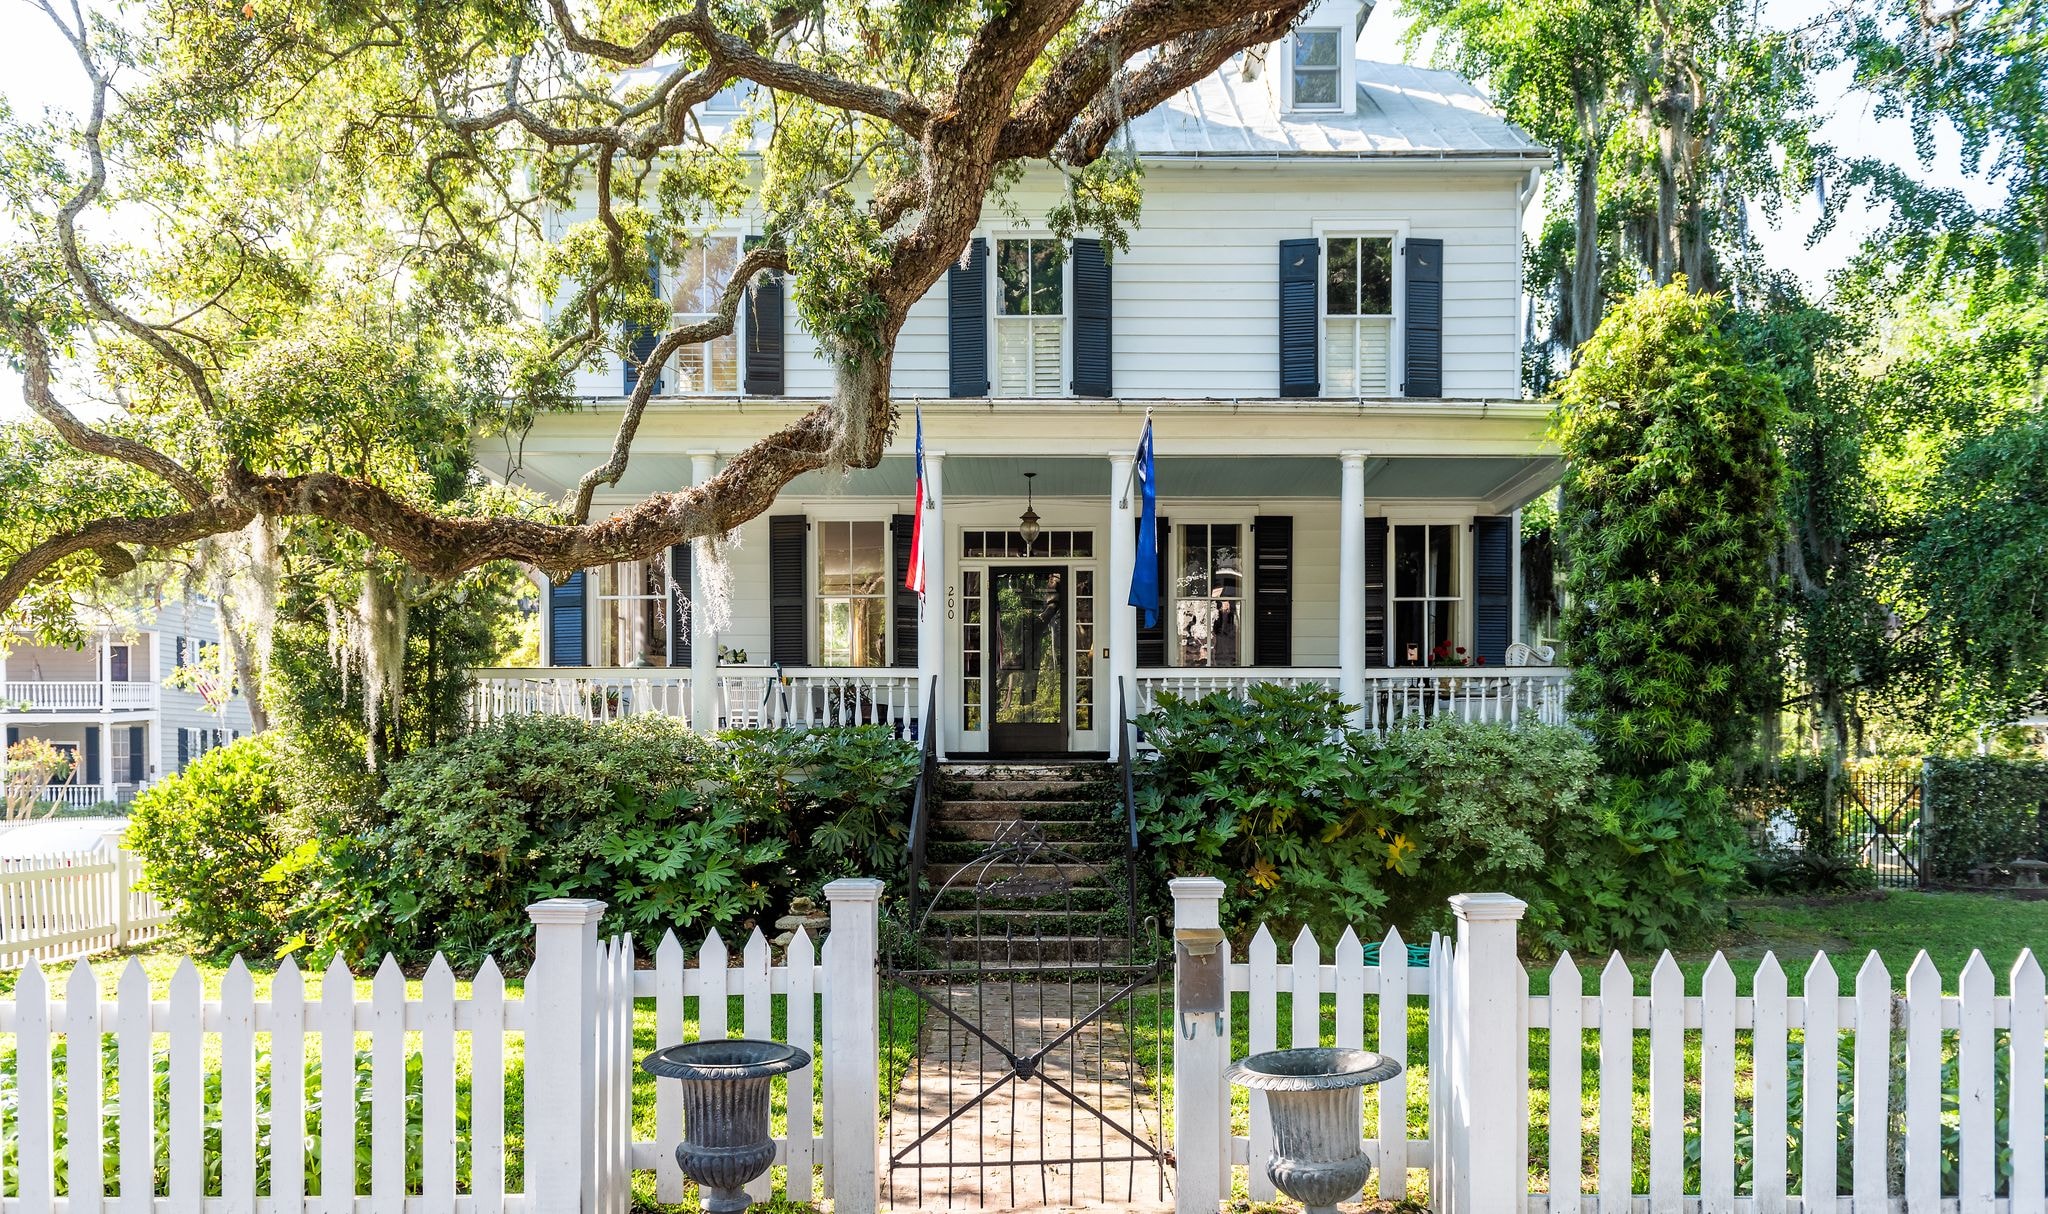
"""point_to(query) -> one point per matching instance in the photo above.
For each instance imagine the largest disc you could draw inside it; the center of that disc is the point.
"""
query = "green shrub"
(1985, 811)
(216, 842)
(668, 829)
(1311, 822)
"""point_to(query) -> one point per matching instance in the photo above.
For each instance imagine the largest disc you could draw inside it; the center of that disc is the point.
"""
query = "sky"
(37, 71)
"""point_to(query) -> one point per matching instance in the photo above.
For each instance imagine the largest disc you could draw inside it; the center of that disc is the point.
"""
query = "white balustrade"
(592, 693)
(70, 695)
(131, 695)
(1394, 699)
(809, 697)
(1193, 682)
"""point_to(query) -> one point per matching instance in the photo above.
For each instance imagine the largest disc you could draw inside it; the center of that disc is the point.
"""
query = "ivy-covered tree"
(335, 241)
(1670, 521)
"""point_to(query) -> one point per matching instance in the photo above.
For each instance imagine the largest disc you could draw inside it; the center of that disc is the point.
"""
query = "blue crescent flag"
(1145, 578)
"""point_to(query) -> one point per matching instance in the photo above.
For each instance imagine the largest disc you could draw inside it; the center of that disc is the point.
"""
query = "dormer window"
(1318, 74)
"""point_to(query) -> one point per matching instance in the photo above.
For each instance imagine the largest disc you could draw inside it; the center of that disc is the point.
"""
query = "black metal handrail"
(921, 802)
(1127, 736)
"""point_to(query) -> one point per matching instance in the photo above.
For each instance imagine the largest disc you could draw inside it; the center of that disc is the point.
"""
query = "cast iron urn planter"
(1316, 1098)
(725, 1111)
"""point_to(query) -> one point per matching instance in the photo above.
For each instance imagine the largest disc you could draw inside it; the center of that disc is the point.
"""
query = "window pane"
(1315, 88)
(1013, 276)
(835, 560)
(870, 629)
(1208, 631)
(1411, 646)
(1047, 345)
(1045, 278)
(1013, 358)
(1315, 48)
(1376, 276)
(835, 632)
(1443, 637)
(1341, 282)
(869, 559)
(1194, 563)
(1443, 554)
(1408, 562)
(1226, 555)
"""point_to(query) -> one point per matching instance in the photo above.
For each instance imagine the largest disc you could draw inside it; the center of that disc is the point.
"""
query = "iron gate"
(1024, 1038)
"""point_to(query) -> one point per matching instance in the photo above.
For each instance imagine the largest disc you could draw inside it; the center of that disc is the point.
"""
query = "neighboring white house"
(107, 704)
(1320, 312)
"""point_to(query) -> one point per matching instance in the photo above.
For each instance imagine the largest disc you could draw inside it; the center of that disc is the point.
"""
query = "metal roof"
(1402, 111)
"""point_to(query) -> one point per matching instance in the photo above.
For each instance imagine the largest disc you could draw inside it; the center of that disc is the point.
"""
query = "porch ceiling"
(1505, 481)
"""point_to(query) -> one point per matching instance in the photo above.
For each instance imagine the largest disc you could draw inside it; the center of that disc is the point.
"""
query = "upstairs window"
(1031, 319)
(1209, 600)
(1317, 74)
(1358, 316)
(697, 280)
(1426, 595)
(853, 593)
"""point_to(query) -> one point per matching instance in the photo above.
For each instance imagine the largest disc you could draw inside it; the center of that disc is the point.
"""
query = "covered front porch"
(1397, 579)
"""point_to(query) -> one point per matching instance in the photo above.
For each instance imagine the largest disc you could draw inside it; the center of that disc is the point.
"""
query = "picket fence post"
(561, 1056)
(853, 1037)
(1201, 1125)
(1488, 1172)
(119, 883)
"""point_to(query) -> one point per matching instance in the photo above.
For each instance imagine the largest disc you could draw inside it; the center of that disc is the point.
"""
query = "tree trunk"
(1585, 296)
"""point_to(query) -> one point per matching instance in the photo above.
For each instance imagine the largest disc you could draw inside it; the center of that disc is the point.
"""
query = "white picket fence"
(1922, 1065)
(268, 1072)
(76, 904)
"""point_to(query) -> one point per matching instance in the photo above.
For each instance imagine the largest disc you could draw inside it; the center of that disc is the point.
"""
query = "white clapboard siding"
(1307, 975)
(1950, 1045)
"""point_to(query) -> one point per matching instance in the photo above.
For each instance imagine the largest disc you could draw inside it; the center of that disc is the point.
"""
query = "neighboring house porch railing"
(1394, 698)
(72, 696)
(85, 796)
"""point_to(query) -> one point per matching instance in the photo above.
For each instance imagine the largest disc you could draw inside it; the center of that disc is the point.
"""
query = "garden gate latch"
(1198, 978)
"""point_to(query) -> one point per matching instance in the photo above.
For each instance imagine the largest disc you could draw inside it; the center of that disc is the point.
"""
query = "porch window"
(632, 614)
(1209, 597)
(1317, 75)
(1031, 322)
(853, 594)
(117, 663)
(699, 279)
(1358, 315)
(1426, 594)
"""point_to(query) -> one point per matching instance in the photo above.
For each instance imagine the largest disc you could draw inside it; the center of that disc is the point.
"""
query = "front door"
(1028, 703)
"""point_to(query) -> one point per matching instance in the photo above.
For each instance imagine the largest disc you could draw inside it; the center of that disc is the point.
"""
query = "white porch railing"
(1394, 699)
(811, 696)
(1190, 683)
(595, 693)
(85, 796)
(50, 695)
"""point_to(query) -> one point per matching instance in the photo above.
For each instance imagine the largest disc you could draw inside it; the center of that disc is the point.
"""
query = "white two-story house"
(113, 706)
(1320, 312)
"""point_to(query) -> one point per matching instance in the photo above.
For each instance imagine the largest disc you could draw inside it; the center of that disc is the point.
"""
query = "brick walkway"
(1027, 1145)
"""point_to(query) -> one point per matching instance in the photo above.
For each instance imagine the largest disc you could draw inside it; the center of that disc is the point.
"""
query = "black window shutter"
(184, 748)
(1422, 319)
(967, 322)
(1273, 590)
(1091, 319)
(1152, 641)
(1300, 267)
(644, 340)
(1376, 592)
(1493, 581)
(180, 648)
(565, 620)
(679, 605)
(92, 756)
(135, 764)
(901, 526)
(788, 545)
(13, 734)
(763, 309)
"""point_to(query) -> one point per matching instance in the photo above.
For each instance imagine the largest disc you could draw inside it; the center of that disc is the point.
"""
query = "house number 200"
(949, 602)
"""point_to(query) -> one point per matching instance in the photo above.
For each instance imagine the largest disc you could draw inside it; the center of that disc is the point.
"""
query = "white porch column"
(1351, 585)
(106, 771)
(931, 620)
(704, 697)
(1123, 618)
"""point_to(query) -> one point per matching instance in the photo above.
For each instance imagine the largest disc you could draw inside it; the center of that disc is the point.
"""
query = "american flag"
(212, 688)
(914, 578)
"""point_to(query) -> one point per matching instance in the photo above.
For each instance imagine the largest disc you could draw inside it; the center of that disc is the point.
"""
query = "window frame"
(1461, 539)
(1396, 231)
(814, 586)
(996, 315)
(598, 614)
(1294, 105)
(671, 285)
(1176, 568)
